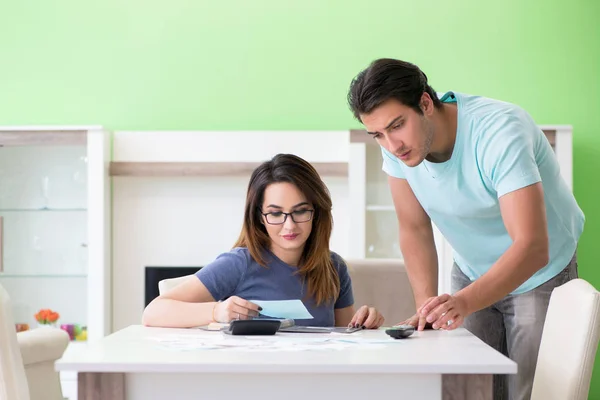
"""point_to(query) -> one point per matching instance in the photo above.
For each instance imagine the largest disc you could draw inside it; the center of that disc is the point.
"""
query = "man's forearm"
(420, 259)
(514, 267)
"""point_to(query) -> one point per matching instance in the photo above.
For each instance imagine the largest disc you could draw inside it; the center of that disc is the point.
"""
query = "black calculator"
(400, 331)
(249, 327)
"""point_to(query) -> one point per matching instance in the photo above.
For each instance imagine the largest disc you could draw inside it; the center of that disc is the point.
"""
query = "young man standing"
(485, 174)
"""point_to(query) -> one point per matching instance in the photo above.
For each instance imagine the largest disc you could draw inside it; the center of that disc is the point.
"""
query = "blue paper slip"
(293, 309)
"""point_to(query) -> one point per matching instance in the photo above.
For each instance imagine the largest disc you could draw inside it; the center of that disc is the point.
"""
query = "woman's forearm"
(169, 313)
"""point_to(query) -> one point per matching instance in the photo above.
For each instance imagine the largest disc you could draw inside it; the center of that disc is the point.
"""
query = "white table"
(130, 364)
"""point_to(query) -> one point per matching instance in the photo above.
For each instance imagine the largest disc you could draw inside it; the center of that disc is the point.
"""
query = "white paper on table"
(292, 309)
(287, 342)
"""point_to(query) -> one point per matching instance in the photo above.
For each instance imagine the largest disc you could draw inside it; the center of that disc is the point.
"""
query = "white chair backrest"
(167, 284)
(569, 343)
(13, 381)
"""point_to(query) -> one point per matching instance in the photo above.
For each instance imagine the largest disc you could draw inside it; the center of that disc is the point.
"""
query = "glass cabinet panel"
(378, 190)
(43, 221)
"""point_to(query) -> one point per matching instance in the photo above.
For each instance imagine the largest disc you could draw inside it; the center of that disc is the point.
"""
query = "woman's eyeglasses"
(279, 217)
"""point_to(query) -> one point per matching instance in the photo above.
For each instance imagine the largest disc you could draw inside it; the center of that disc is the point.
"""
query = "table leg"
(100, 386)
(467, 387)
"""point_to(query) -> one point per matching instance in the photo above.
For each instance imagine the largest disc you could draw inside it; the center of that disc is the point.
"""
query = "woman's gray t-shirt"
(235, 273)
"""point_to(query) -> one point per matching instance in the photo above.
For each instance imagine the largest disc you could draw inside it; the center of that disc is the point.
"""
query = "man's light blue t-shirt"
(236, 273)
(498, 149)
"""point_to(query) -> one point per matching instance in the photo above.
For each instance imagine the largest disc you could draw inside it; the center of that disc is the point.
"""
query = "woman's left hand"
(367, 317)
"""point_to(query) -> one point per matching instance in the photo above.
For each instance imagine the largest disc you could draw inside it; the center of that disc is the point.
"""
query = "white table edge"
(134, 368)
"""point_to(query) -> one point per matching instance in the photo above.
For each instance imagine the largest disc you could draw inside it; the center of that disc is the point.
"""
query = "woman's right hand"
(235, 308)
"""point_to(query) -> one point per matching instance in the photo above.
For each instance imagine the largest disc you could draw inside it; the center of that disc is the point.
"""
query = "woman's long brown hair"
(316, 266)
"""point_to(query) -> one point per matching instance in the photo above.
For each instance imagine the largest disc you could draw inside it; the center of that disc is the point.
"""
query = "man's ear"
(426, 104)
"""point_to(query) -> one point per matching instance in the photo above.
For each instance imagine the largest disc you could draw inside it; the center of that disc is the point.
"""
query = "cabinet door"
(43, 220)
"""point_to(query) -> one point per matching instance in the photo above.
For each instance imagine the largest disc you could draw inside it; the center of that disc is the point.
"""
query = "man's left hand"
(445, 311)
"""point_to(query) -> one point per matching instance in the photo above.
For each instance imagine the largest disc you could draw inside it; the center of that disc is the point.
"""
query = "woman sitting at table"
(282, 254)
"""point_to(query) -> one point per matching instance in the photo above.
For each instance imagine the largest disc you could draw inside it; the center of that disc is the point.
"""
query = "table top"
(138, 349)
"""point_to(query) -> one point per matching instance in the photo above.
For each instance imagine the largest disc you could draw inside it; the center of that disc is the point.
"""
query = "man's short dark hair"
(386, 79)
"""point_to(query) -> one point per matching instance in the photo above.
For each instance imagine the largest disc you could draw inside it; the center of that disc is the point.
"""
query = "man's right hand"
(418, 320)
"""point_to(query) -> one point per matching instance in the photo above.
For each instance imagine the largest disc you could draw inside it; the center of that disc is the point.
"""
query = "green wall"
(273, 64)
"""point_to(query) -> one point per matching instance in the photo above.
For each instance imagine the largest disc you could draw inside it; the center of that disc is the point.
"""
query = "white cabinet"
(374, 228)
(561, 140)
(55, 224)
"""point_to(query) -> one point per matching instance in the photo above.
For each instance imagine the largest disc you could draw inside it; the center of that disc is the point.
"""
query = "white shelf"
(50, 128)
(556, 127)
(40, 276)
(380, 207)
(42, 209)
(170, 169)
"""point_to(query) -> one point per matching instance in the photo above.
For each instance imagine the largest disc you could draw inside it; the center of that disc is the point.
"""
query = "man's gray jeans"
(513, 326)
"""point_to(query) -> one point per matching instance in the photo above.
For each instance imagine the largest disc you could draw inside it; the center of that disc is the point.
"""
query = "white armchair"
(40, 348)
(27, 361)
(569, 343)
(13, 381)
